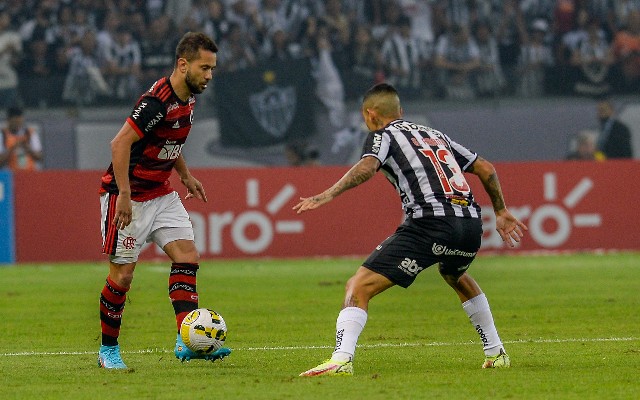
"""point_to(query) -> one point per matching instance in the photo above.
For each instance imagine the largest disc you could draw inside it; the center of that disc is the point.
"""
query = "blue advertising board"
(7, 230)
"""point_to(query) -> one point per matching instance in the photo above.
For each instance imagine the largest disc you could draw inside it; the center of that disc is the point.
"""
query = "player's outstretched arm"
(361, 172)
(511, 230)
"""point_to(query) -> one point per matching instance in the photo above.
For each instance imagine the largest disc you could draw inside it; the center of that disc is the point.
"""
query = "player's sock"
(112, 299)
(349, 325)
(182, 289)
(480, 316)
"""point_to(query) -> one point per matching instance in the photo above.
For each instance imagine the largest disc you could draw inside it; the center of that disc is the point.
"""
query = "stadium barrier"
(568, 206)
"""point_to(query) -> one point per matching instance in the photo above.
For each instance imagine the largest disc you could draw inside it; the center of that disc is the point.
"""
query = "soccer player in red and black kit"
(139, 205)
(443, 223)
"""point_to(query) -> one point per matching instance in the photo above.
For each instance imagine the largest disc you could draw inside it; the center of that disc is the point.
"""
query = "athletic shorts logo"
(129, 242)
(410, 267)
(439, 250)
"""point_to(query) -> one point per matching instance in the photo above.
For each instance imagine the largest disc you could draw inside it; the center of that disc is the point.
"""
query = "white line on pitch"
(365, 346)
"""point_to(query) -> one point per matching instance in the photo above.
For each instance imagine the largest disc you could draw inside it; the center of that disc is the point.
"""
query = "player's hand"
(311, 203)
(194, 189)
(511, 229)
(124, 212)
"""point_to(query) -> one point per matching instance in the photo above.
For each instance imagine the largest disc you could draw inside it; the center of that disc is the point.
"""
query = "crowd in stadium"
(93, 51)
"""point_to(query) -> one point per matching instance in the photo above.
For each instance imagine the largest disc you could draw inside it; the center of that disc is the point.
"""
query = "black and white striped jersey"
(426, 167)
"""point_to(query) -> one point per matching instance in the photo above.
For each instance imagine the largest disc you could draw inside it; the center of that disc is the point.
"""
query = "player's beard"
(193, 86)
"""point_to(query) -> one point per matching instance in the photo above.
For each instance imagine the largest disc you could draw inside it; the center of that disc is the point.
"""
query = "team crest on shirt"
(274, 108)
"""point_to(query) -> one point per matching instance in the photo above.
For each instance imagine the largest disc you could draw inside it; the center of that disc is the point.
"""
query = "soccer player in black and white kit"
(443, 223)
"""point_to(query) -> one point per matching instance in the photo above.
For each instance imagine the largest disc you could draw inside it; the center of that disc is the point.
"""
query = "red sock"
(112, 301)
(182, 289)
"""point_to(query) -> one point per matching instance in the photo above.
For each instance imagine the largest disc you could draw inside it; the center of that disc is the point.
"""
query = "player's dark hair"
(380, 88)
(191, 43)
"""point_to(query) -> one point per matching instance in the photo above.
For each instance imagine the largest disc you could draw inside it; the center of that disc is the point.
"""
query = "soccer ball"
(203, 331)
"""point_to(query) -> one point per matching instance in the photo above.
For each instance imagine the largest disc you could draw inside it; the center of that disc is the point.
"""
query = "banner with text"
(568, 206)
(265, 106)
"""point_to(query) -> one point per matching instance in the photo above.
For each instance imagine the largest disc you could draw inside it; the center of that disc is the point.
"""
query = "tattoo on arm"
(492, 186)
(359, 173)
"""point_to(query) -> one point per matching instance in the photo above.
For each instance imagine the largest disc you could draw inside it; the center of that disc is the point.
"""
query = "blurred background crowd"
(84, 52)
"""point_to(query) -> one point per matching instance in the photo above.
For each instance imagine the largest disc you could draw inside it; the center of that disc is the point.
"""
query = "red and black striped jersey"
(163, 122)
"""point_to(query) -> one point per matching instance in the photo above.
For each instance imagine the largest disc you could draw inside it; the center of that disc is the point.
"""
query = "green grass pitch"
(571, 324)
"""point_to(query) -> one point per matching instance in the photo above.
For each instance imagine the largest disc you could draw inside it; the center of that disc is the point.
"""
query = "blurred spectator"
(337, 24)
(533, 10)
(564, 16)
(604, 11)
(177, 10)
(106, 36)
(10, 53)
(626, 47)
(154, 9)
(583, 147)
(421, 15)
(455, 12)
(278, 46)
(20, 146)
(271, 17)
(622, 9)
(457, 58)
(215, 25)
(510, 34)
(235, 52)
(390, 17)
(63, 33)
(566, 71)
(122, 65)
(535, 57)
(615, 137)
(364, 63)
(84, 81)
(594, 58)
(244, 14)
(404, 59)
(157, 50)
(490, 80)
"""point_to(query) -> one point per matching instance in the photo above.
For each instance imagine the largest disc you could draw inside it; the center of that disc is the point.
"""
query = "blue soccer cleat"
(183, 353)
(109, 357)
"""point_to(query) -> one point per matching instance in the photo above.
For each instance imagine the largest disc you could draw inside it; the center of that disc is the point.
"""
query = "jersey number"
(442, 158)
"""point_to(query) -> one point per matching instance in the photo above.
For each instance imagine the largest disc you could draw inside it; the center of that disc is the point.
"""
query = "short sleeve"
(377, 145)
(147, 114)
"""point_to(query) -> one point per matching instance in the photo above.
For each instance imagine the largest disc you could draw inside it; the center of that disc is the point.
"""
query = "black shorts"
(419, 243)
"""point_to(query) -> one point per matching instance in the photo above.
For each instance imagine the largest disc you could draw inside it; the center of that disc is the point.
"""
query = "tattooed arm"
(508, 226)
(361, 172)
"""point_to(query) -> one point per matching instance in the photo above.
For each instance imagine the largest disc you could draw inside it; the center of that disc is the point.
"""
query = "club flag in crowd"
(267, 105)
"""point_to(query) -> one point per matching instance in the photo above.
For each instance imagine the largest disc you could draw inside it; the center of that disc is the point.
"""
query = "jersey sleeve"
(146, 114)
(464, 157)
(377, 145)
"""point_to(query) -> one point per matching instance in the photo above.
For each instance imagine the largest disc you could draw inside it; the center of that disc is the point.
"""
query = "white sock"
(349, 325)
(480, 316)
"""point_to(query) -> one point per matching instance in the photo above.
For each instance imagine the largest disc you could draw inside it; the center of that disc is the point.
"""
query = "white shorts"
(160, 220)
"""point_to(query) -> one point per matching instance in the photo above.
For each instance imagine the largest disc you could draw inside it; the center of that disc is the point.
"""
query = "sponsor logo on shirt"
(172, 107)
(153, 122)
(170, 151)
(138, 110)
(377, 143)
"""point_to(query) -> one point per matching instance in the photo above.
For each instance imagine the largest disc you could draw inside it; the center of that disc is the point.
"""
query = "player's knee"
(123, 278)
